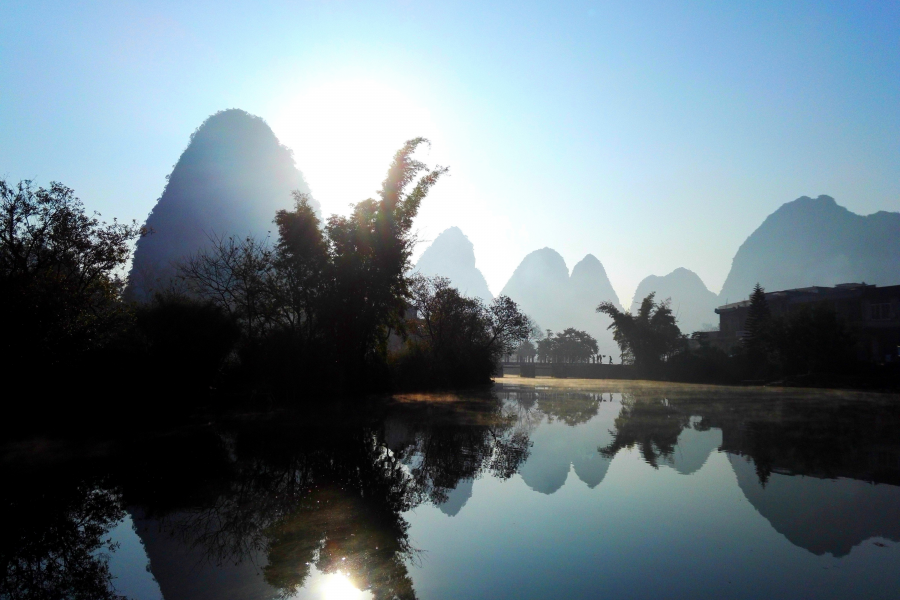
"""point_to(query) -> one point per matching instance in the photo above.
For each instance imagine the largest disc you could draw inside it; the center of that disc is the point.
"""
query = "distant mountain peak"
(589, 280)
(691, 301)
(590, 264)
(230, 180)
(452, 255)
(816, 242)
(544, 289)
(545, 262)
(455, 245)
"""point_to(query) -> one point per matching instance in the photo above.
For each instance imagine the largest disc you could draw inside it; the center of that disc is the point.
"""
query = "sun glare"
(337, 586)
(344, 135)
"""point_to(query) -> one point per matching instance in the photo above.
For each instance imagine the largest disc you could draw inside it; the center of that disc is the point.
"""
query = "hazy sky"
(653, 135)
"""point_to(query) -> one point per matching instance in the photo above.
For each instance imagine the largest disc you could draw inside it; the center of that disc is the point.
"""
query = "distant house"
(872, 312)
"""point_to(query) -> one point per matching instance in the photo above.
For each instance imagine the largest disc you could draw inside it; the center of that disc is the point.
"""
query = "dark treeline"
(325, 306)
(568, 346)
(811, 345)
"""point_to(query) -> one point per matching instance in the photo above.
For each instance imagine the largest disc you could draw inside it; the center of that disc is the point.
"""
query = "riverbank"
(883, 379)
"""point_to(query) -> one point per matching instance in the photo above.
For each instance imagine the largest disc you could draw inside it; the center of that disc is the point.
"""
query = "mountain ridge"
(452, 255)
(816, 241)
(231, 178)
(556, 299)
(691, 301)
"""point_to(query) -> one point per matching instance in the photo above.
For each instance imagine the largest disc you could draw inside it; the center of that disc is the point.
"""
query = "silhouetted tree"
(461, 337)
(573, 346)
(507, 326)
(332, 296)
(301, 264)
(812, 339)
(757, 330)
(236, 275)
(59, 272)
(546, 346)
(370, 252)
(648, 337)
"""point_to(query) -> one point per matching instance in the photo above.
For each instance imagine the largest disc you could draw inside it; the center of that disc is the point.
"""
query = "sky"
(653, 135)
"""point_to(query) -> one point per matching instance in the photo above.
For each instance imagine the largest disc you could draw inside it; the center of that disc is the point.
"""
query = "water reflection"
(54, 540)
(297, 498)
(808, 462)
(564, 432)
(266, 506)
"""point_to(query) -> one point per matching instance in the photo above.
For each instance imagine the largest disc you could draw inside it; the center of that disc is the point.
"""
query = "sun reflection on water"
(337, 586)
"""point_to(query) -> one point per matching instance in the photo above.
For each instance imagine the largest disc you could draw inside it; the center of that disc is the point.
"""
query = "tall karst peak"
(691, 302)
(452, 245)
(589, 280)
(452, 255)
(543, 288)
(230, 180)
(538, 268)
(816, 242)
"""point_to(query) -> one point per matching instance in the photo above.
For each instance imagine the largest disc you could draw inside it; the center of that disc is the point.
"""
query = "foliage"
(57, 545)
(459, 340)
(570, 346)
(526, 351)
(757, 330)
(647, 338)
(574, 346)
(184, 340)
(758, 316)
(370, 252)
(323, 297)
(301, 262)
(811, 340)
(59, 272)
(545, 347)
(237, 276)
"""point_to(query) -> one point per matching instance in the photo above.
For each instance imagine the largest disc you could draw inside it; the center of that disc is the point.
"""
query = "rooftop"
(805, 291)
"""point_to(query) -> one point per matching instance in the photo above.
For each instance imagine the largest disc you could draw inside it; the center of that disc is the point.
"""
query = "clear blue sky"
(653, 135)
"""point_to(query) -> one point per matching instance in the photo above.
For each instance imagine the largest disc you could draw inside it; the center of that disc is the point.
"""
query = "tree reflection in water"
(291, 496)
(53, 542)
(297, 493)
(443, 444)
(651, 424)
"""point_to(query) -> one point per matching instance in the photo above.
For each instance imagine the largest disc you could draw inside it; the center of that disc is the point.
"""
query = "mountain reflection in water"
(266, 506)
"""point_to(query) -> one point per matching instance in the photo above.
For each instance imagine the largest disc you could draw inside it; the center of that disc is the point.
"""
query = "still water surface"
(534, 489)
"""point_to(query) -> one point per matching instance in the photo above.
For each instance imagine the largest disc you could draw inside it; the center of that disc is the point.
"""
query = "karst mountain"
(234, 175)
(452, 255)
(816, 242)
(692, 303)
(230, 180)
(544, 289)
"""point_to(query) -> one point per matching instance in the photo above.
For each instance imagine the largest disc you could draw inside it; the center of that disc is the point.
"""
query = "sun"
(344, 135)
(336, 586)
